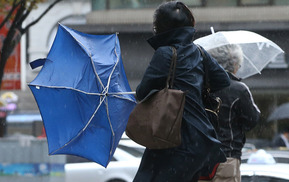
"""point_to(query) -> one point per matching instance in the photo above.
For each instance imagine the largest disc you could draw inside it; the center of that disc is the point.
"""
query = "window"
(281, 2)
(141, 4)
(125, 4)
(221, 3)
(254, 2)
(193, 2)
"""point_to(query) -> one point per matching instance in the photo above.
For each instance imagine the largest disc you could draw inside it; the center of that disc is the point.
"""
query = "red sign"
(12, 72)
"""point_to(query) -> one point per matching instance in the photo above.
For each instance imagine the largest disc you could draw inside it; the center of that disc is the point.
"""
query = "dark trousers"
(167, 166)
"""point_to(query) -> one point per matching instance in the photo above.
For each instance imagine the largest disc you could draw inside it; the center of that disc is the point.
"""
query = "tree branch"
(18, 15)
(39, 18)
(8, 16)
(27, 12)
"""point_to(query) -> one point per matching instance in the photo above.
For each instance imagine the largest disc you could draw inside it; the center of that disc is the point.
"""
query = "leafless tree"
(15, 12)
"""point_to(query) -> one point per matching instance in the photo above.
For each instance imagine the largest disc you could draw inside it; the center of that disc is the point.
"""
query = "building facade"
(36, 43)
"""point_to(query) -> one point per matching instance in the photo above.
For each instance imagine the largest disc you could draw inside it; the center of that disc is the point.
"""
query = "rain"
(25, 151)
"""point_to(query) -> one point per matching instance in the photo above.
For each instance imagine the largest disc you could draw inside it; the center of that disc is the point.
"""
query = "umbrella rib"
(82, 130)
(69, 88)
(121, 93)
(113, 134)
(252, 64)
(101, 101)
(106, 92)
(94, 70)
(118, 96)
(91, 61)
(117, 61)
(109, 78)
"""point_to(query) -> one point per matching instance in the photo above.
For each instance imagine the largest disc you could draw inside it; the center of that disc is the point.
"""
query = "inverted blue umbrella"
(83, 95)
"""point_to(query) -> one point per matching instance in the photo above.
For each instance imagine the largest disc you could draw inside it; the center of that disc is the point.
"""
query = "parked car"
(248, 147)
(254, 144)
(262, 167)
(259, 143)
(280, 155)
(265, 172)
(122, 167)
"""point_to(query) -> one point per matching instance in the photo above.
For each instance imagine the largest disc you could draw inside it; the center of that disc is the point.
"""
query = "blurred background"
(132, 19)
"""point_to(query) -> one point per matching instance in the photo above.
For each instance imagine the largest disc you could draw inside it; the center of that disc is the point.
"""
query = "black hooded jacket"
(199, 144)
(188, 77)
(238, 114)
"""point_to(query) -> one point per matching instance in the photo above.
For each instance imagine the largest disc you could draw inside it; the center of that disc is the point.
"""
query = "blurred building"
(133, 20)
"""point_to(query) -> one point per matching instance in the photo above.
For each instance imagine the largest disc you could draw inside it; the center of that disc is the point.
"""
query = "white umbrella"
(258, 51)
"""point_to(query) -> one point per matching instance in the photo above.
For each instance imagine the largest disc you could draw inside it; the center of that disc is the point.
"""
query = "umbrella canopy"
(83, 95)
(281, 112)
(258, 51)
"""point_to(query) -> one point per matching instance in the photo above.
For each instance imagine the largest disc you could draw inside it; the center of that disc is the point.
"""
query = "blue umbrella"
(83, 95)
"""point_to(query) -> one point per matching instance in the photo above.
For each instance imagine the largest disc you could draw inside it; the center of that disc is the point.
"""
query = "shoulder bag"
(156, 121)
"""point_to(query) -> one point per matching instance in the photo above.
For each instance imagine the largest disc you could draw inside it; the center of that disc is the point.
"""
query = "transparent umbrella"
(281, 112)
(258, 51)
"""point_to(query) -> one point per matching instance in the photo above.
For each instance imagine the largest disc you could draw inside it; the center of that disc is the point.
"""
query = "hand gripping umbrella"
(258, 51)
(83, 95)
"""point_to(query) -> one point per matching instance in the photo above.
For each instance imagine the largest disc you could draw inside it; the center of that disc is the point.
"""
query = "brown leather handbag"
(156, 121)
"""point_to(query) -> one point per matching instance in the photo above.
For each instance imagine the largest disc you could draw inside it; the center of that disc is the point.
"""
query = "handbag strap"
(205, 63)
(171, 75)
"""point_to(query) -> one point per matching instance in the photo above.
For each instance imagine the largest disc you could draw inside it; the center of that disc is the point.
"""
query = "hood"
(182, 35)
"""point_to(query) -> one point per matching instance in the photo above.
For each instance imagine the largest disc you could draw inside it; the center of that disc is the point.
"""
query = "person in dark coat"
(174, 26)
(238, 113)
(282, 139)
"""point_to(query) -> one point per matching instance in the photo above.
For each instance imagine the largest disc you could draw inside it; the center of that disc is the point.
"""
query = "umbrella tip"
(212, 30)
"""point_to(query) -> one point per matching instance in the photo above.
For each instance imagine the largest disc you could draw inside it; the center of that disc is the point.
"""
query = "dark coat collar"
(233, 77)
(182, 35)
